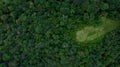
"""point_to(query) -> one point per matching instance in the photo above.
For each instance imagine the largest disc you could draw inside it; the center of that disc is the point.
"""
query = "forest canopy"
(42, 33)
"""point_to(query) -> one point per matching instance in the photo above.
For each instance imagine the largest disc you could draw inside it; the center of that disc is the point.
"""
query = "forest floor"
(91, 33)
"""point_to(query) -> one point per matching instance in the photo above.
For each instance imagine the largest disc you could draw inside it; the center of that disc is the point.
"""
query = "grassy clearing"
(91, 33)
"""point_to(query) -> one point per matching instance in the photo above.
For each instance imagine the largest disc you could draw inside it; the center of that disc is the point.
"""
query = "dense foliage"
(38, 33)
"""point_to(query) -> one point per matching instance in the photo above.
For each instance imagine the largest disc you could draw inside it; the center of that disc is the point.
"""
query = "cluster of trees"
(39, 33)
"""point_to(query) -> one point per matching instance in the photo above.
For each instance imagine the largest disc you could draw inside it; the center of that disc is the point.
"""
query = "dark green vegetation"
(40, 33)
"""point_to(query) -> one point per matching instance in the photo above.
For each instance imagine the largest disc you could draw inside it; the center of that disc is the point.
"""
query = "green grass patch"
(91, 33)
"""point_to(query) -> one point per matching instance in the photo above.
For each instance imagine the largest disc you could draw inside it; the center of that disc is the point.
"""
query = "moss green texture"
(91, 33)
